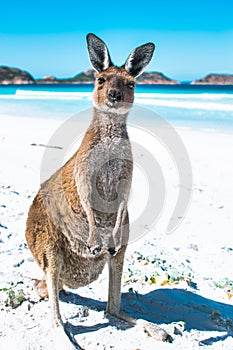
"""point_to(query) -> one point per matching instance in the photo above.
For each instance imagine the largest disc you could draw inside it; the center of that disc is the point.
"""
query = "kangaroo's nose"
(115, 95)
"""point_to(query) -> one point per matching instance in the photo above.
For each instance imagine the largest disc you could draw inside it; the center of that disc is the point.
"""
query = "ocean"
(185, 105)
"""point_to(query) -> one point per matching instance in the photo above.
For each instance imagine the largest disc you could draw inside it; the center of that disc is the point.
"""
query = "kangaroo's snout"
(115, 95)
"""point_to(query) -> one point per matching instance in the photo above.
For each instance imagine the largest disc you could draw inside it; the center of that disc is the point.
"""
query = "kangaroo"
(78, 220)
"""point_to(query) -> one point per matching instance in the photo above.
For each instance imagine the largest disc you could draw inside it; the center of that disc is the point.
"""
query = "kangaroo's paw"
(95, 250)
(114, 251)
(95, 245)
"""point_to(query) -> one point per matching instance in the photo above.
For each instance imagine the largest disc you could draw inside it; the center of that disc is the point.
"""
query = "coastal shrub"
(152, 270)
(11, 296)
(226, 284)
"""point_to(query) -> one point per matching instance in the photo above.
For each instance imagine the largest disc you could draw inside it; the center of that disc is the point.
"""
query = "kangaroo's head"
(114, 86)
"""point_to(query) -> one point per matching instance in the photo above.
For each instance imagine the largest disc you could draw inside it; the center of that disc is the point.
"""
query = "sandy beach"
(183, 281)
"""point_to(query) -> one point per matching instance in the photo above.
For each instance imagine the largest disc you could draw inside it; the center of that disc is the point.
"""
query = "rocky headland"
(10, 75)
(155, 78)
(215, 79)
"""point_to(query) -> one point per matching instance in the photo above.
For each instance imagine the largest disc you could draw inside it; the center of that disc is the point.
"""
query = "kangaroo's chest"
(112, 164)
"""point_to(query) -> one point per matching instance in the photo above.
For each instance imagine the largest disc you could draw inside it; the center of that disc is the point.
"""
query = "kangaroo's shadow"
(97, 305)
(165, 306)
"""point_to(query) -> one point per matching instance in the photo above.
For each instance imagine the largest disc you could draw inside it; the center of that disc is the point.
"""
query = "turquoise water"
(183, 105)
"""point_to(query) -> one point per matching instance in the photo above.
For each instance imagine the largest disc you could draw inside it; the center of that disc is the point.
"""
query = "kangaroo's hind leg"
(116, 262)
(52, 274)
(114, 293)
(63, 340)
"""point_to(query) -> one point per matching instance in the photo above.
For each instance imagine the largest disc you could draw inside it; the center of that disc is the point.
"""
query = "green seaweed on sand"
(11, 296)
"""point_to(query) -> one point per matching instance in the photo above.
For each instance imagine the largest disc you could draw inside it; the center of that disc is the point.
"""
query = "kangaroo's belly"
(78, 271)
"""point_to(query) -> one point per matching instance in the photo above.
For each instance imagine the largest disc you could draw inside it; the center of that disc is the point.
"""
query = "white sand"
(202, 244)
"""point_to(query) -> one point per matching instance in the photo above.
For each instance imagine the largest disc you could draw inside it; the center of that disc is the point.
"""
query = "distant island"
(215, 79)
(16, 76)
(10, 75)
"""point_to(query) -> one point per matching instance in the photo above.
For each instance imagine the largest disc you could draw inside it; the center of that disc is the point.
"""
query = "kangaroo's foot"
(152, 329)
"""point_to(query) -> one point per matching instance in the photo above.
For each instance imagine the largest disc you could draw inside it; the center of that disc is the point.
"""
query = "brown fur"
(78, 221)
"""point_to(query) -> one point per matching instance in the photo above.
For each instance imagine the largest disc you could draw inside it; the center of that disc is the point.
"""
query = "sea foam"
(196, 101)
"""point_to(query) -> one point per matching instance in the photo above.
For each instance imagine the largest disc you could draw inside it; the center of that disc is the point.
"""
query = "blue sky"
(192, 38)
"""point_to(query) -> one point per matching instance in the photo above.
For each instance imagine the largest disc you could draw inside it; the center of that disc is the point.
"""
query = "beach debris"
(3, 226)
(193, 247)
(47, 146)
(175, 328)
(156, 332)
(15, 192)
(18, 264)
(227, 249)
(83, 312)
(215, 313)
(223, 323)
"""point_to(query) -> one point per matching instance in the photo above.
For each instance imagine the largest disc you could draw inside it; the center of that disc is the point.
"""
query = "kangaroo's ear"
(98, 53)
(139, 59)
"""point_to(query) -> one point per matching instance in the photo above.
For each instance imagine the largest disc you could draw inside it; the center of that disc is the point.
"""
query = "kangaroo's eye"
(131, 85)
(101, 80)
